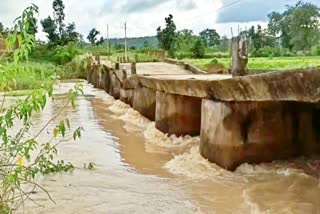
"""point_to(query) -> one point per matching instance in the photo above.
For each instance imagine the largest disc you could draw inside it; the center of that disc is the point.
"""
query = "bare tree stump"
(239, 57)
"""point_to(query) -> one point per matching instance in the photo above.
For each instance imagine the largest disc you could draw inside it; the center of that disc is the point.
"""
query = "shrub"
(315, 50)
(65, 54)
(199, 49)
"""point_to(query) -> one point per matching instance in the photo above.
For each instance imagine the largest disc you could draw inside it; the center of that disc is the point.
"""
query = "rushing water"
(138, 169)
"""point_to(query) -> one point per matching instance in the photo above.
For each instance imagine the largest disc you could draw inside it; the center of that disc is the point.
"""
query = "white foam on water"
(271, 169)
(270, 186)
(108, 99)
(135, 117)
(119, 107)
(156, 137)
(191, 164)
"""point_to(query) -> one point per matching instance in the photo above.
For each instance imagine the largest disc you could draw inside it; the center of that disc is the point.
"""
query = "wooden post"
(239, 57)
(133, 68)
(124, 59)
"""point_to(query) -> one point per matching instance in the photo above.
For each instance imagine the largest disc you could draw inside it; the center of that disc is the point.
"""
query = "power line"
(228, 5)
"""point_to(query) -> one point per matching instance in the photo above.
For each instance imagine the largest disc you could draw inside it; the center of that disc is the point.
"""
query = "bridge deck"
(156, 68)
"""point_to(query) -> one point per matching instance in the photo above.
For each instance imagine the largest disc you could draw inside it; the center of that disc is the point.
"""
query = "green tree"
(167, 37)
(49, 26)
(198, 50)
(185, 40)
(297, 26)
(304, 27)
(210, 37)
(71, 35)
(1, 27)
(100, 41)
(59, 16)
(33, 28)
(224, 45)
(92, 36)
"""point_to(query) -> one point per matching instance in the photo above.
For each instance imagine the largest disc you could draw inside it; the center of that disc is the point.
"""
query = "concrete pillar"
(134, 68)
(236, 133)
(107, 81)
(115, 86)
(98, 59)
(179, 115)
(124, 74)
(117, 66)
(145, 102)
(127, 96)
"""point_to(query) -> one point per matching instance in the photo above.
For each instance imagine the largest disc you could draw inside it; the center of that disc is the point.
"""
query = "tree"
(168, 37)
(1, 28)
(224, 44)
(49, 26)
(33, 27)
(297, 26)
(92, 37)
(210, 37)
(185, 40)
(304, 27)
(71, 35)
(100, 41)
(57, 32)
(59, 16)
(198, 50)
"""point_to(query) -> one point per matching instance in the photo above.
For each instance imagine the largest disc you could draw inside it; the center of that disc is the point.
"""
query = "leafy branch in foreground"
(23, 158)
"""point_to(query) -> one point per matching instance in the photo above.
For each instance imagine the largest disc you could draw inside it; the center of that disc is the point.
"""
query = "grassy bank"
(275, 63)
(34, 73)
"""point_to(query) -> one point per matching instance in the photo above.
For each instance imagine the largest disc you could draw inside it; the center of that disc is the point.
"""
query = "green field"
(276, 63)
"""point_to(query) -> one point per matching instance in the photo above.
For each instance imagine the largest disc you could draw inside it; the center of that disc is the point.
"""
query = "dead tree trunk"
(239, 57)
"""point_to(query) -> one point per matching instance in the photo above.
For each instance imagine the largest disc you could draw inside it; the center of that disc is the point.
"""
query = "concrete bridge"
(251, 119)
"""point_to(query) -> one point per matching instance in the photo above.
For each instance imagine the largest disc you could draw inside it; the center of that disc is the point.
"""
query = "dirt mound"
(217, 69)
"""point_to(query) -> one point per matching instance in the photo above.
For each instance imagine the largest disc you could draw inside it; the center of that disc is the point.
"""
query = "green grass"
(32, 75)
(275, 63)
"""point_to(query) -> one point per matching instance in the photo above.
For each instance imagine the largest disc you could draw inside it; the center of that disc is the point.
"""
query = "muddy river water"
(140, 170)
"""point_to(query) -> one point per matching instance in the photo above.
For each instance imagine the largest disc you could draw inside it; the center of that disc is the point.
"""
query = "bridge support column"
(145, 102)
(127, 96)
(179, 115)
(115, 86)
(233, 133)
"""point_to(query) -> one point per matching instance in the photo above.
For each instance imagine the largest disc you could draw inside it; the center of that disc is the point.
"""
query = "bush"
(65, 54)
(315, 50)
(76, 69)
(199, 49)
(272, 52)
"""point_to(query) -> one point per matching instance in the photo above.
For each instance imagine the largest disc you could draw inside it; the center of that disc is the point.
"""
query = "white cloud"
(142, 16)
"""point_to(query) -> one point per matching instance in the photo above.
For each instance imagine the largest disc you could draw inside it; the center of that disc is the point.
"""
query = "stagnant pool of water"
(138, 169)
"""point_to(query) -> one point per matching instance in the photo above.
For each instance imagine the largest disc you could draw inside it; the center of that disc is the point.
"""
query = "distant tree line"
(296, 30)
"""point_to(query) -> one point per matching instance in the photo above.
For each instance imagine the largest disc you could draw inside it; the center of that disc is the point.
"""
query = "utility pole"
(125, 41)
(108, 47)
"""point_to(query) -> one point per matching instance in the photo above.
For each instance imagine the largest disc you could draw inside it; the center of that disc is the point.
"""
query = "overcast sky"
(144, 16)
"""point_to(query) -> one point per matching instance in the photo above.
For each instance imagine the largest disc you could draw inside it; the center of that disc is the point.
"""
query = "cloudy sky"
(144, 16)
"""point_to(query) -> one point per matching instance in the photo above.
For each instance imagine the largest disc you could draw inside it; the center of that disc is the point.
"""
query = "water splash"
(119, 107)
(191, 164)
